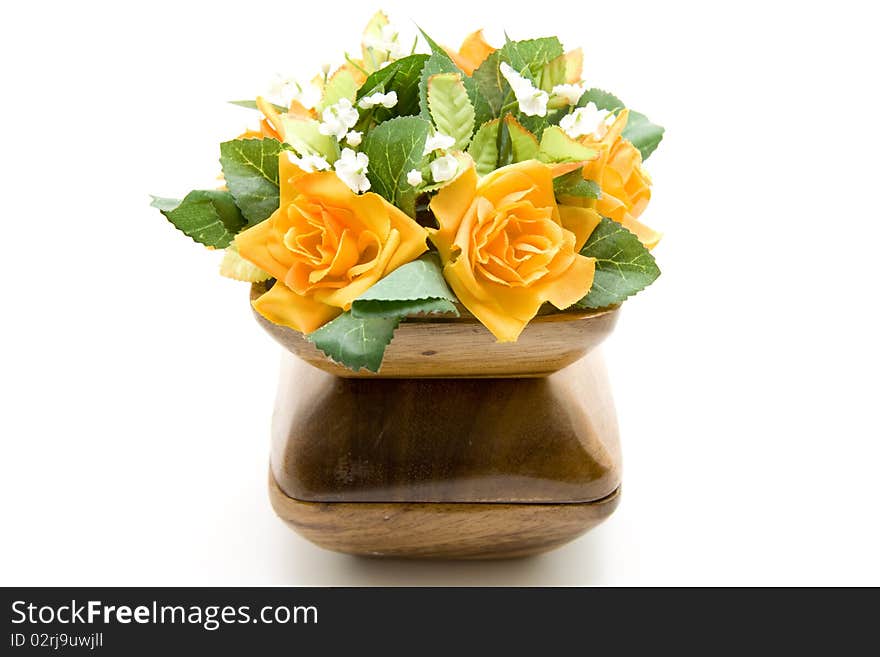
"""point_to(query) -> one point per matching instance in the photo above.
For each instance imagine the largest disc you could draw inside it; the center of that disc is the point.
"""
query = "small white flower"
(444, 168)
(285, 89)
(354, 138)
(325, 69)
(308, 163)
(351, 168)
(532, 101)
(438, 142)
(514, 79)
(589, 120)
(338, 118)
(388, 100)
(414, 178)
(570, 93)
(388, 41)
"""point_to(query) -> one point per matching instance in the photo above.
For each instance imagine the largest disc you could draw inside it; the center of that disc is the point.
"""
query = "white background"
(137, 389)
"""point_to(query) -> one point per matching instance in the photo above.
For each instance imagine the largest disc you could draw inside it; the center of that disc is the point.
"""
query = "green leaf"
(401, 76)
(164, 204)
(537, 124)
(484, 147)
(436, 48)
(209, 217)
(573, 184)
(415, 288)
(252, 104)
(623, 265)
(340, 85)
(451, 108)
(250, 167)
(556, 146)
(529, 57)
(358, 338)
(524, 144)
(602, 100)
(552, 73)
(439, 62)
(395, 147)
(305, 138)
(355, 342)
(492, 89)
(643, 134)
(639, 130)
(235, 267)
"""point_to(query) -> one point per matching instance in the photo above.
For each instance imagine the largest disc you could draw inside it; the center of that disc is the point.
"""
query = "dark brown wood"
(459, 447)
(431, 468)
(440, 531)
(547, 440)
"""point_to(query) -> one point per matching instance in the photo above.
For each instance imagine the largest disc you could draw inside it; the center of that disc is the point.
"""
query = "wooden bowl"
(444, 468)
(461, 347)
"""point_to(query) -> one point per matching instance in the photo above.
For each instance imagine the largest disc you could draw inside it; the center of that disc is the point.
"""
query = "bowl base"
(444, 468)
(440, 530)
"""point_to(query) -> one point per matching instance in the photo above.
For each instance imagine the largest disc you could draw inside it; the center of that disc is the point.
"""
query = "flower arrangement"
(487, 180)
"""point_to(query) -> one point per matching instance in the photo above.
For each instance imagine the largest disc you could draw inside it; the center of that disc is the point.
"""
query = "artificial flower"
(444, 168)
(532, 101)
(507, 247)
(388, 100)
(387, 42)
(351, 168)
(438, 142)
(473, 51)
(270, 124)
(626, 188)
(354, 138)
(589, 120)
(308, 163)
(570, 94)
(338, 118)
(285, 89)
(325, 246)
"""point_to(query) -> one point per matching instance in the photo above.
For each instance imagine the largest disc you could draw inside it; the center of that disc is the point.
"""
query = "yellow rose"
(326, 246)
(507, 247)
(626, 189)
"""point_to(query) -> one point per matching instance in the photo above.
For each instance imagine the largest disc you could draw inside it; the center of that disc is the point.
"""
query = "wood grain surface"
(459, 448)
(550, 439)
(440, 531)
(456, 347)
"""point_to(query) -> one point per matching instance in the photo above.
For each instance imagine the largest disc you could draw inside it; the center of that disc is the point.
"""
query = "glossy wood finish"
(440, 531)
(450, 347)
(433, 468)
(459, 447)
(530, 440)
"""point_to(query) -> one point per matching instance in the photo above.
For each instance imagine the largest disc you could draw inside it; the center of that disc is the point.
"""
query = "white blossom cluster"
(389, 40)
(443, 167)
(589, 120)
(532, 101)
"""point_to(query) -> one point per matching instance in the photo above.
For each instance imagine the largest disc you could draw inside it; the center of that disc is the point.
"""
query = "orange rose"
(626, 189)
(473, 52)
(325, 245)
(507, 247)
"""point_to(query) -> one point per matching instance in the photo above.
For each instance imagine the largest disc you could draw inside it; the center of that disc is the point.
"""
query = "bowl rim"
(465, 317)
